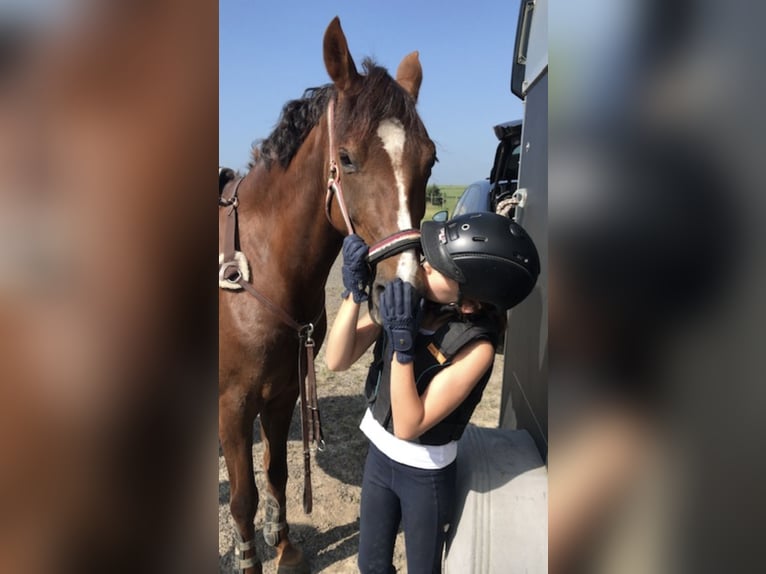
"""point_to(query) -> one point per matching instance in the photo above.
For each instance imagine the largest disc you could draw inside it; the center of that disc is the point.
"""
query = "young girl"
(433, 358)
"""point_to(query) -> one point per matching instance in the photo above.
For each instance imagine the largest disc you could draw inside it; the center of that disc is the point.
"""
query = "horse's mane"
(378, 97)
(295, 122)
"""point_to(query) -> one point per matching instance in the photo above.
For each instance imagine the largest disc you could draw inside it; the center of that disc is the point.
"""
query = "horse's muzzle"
(405, 267)
(386, 267)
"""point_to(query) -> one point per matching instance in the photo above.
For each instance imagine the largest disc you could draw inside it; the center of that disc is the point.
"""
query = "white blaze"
(391, 133)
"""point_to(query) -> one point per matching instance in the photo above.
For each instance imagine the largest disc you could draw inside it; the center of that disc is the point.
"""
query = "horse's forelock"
(379, 97)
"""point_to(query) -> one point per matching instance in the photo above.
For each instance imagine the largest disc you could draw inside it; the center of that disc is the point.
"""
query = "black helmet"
(490, 256)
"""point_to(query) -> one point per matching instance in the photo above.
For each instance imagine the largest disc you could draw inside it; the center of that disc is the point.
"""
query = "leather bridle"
(334, 188)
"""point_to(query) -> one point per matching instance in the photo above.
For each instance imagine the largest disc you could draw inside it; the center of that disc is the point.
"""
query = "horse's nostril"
(377, 292)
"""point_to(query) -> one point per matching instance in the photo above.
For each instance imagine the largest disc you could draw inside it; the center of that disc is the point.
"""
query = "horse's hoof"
(302, 568)
(292, 561)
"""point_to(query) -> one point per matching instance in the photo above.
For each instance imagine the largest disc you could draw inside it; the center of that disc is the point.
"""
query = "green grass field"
(451, 193)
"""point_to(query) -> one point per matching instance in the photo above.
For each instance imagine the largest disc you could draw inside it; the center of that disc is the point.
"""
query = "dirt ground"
(329, 536)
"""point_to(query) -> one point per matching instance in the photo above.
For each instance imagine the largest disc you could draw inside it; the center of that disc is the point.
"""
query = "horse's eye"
(346, 163)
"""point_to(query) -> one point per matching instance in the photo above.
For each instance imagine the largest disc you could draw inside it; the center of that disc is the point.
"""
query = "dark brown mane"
(378, 97)
(295, 122)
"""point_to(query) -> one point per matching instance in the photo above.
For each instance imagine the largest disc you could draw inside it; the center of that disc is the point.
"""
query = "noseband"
(388, 246)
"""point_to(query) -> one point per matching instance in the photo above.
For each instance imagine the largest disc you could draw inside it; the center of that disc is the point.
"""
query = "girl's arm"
(350, 336)
(414, 414)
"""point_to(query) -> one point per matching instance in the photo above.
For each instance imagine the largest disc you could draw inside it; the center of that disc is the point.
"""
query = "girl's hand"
(356, 271)
(400, 313)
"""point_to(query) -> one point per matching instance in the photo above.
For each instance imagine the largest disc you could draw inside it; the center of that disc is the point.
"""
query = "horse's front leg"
(275, 425)
(235, 430)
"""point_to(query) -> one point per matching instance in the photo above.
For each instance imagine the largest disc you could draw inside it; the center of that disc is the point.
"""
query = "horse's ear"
(409, 75)
(337, 59)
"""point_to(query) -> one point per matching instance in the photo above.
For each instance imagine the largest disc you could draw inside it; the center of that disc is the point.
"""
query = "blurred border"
(107, 285)
(656, 267)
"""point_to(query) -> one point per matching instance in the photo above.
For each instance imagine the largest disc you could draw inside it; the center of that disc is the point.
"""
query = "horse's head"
(382, 152)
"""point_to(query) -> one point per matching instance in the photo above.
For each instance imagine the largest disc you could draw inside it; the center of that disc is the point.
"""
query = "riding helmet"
(492, 257)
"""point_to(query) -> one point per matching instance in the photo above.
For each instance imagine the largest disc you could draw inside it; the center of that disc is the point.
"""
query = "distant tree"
(434, 194)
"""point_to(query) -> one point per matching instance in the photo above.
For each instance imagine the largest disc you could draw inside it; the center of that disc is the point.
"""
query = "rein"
(311, 425)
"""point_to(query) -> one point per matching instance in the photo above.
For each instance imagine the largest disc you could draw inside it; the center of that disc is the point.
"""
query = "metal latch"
(519, 197)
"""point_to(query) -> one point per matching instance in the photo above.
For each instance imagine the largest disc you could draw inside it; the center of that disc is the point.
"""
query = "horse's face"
(383, 153)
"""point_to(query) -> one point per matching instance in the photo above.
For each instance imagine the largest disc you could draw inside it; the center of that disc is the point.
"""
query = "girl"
(432, 359)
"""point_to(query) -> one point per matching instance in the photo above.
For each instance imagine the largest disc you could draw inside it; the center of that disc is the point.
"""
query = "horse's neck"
(285, 219)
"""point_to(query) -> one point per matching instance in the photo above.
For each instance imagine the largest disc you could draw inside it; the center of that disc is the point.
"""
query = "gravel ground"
(329, 535)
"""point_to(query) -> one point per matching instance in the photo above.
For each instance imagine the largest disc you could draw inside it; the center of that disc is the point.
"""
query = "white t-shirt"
(424, 456)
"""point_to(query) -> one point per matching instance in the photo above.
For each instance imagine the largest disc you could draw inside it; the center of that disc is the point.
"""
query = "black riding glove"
(400, 313)
(356, 271)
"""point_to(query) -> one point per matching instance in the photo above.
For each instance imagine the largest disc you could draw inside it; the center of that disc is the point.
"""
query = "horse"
(352, 156)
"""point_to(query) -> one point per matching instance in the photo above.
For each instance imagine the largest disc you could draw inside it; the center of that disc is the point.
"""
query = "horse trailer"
(501, 523)
(525, 385)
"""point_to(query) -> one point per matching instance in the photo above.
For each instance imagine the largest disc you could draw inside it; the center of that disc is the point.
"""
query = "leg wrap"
(240, 547)
(272, 525)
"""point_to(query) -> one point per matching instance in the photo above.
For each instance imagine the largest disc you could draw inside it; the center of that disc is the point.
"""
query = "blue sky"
(270, 52)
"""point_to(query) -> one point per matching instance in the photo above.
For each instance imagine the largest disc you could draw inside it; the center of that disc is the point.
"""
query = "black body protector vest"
(433, 353)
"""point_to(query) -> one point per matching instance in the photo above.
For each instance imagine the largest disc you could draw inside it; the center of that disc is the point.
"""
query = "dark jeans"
(422, 500)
